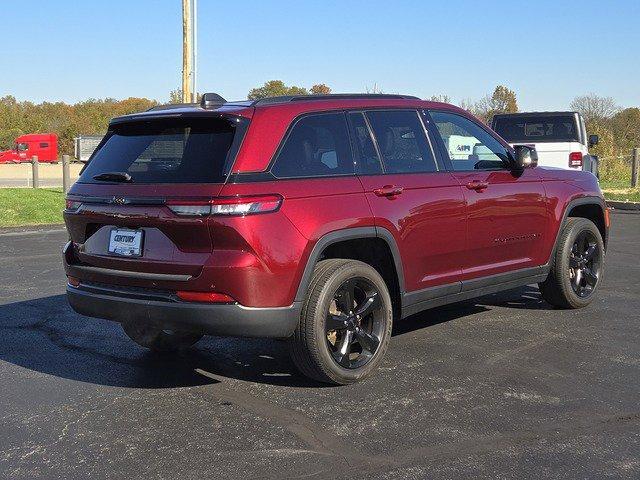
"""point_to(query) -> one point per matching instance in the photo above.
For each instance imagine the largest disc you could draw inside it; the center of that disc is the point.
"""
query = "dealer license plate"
(125, 242)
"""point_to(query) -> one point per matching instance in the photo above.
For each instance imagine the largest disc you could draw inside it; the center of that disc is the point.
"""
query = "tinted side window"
(469, 145)
(44, 145)
(368, 160)
(317, 145)
(402, 141)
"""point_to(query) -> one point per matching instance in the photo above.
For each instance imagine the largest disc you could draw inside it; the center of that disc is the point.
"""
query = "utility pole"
(187, 51)
(194, 52)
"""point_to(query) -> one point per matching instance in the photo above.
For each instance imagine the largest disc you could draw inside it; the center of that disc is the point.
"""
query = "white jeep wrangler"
(560, 138)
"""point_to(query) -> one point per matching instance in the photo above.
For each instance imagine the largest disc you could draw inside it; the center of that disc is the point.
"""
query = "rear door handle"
(477, 185)
(388, 191)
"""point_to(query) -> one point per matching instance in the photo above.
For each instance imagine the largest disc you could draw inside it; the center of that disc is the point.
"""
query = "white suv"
(560, 138)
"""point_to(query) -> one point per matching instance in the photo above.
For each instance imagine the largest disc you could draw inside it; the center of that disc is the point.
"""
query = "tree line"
(89, 117)
(618, 128)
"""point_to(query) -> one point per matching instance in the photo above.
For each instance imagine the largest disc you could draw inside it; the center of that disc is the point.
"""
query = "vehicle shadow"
(45, 335)
(527, 297)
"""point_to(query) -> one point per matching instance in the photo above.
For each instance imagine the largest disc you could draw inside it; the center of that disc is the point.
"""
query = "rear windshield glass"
(168, 151)
(537, 129)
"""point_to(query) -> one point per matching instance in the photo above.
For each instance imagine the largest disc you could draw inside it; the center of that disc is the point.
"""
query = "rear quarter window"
(317, 145)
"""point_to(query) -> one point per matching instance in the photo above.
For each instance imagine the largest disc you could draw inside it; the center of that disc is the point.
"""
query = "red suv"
(320, 220)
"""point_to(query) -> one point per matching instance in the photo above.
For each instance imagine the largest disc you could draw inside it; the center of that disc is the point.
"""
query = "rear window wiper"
(113, 177)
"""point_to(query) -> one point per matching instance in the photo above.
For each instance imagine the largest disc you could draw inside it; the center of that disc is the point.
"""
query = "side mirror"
(593, 140)
(526, 157)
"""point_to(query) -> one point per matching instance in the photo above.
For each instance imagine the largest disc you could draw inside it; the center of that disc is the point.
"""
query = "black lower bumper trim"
(210, 319)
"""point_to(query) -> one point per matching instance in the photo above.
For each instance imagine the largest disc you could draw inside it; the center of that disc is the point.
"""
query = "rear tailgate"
(553, 154)
(157, 162)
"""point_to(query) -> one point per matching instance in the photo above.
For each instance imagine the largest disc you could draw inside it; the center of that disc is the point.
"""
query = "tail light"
(225, 206)
(575, 159)
(204, 297)
(72, 205)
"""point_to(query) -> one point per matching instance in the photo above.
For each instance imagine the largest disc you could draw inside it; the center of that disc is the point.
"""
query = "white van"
(560, 138)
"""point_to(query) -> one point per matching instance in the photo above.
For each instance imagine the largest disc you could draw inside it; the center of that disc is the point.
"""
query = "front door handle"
(388, 191)
(477, 185)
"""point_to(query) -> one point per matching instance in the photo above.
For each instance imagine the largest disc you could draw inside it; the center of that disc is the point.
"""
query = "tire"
(316, 349)
(574, 278)
(157, 339)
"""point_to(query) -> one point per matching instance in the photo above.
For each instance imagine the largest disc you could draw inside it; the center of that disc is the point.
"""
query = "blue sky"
(547, 51)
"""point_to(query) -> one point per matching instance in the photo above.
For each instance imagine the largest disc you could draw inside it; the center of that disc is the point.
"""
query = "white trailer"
(85, 145)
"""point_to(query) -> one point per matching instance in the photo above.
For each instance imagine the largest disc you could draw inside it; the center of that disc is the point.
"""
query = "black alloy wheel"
(584, 264)
(345, 323)
(355, 323)
(577, 265)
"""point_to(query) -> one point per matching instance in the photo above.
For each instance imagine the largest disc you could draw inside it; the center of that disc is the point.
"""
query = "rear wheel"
(577, 266)
(345, 325)
(157, 339)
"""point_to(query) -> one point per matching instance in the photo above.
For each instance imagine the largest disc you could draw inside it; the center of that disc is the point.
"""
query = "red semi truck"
(44, 145)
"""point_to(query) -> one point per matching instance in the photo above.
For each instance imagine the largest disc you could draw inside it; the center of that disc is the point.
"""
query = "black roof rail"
(213, 100)
(331, 96)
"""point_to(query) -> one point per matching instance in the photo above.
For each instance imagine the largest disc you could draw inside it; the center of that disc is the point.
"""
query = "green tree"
(8, 136)
(175, 96)
(67, 121)
(606, 147)
(320, 89)
(503, 100)
(625, 126)
(275, 88)
(612, 167)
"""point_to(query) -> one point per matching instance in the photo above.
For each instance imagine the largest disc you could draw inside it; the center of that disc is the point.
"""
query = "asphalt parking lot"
(501, 387)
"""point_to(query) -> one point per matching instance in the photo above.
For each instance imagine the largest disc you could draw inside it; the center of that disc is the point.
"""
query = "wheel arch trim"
(343, 235)
(588, 200)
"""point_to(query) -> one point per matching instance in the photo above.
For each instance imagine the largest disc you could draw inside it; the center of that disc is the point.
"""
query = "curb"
(626, 206)
(45, 227)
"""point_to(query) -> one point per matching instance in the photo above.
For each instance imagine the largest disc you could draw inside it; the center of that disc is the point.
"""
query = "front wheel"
(345, 324)
(157, 339)
(577, 266)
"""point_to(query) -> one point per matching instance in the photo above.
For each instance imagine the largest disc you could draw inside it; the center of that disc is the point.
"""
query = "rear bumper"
(209, 319)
